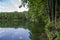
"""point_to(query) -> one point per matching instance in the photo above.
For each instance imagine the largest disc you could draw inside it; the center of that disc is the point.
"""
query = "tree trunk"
(52, 11)
(56, 13)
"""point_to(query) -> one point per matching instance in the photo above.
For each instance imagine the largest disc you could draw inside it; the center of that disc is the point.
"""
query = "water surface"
(14, 34)
(22, 30)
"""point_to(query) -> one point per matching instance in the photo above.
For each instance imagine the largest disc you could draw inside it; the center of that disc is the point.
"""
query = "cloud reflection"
(14, 34)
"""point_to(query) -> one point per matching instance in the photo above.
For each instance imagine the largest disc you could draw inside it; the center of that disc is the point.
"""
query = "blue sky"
(11, 6)
(5, 3)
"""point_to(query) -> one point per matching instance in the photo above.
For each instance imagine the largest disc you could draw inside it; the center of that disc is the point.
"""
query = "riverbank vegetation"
(48, 11)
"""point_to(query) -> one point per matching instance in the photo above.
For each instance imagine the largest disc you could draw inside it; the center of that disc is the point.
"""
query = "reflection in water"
(36, 30)
(14, 34)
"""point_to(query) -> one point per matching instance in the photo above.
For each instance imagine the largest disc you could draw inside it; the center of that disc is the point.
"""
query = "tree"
(36, 9)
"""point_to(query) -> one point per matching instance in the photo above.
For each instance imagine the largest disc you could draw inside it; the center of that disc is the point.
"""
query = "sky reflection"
(14, 34)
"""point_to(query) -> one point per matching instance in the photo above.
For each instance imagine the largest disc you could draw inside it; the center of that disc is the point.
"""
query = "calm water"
(21, 30)
(14, 34)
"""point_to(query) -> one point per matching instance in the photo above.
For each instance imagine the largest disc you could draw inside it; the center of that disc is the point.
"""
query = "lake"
(21, 30)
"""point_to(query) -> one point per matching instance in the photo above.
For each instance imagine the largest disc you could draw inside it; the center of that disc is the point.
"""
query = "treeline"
(18, 16)
(12, 15)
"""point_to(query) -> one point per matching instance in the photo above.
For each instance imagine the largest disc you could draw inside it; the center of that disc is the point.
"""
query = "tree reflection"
(37, 31)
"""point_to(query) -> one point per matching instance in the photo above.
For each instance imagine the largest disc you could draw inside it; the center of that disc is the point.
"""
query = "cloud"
(11, 6)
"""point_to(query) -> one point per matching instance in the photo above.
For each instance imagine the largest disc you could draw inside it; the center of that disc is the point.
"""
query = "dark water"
(21, 30)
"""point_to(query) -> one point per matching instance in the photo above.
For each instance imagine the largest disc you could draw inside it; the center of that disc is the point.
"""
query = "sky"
(11, 6)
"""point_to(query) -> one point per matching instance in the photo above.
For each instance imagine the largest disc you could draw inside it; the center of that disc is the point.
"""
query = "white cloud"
(12, 6)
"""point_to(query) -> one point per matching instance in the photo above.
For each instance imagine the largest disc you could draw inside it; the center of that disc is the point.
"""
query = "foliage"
(36, 9)
(48, 29)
